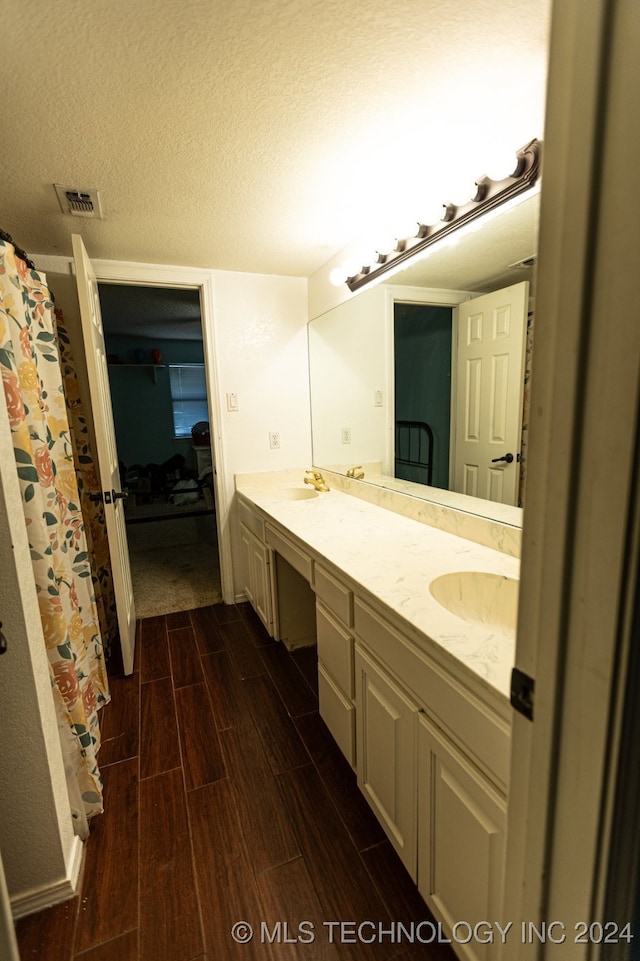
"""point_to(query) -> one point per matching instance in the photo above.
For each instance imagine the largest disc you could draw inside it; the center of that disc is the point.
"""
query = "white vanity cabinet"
(432, 761)
(461, 833)
(256, 565)
(386, 725)
(334, 621)
(427, 734)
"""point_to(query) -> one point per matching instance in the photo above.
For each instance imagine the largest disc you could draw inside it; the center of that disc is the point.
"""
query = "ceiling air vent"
(79, 202)
(525, 262)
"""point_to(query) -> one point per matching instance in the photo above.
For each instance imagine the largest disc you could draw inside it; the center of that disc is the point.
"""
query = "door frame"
(8, 941)
(159, 275)
(580, 533)
(428, 297)
(451, 385)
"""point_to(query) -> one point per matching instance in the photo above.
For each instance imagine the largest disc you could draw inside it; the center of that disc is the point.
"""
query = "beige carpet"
(174, 565)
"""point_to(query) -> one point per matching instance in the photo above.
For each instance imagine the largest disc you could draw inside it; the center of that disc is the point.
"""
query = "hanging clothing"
(32, 381)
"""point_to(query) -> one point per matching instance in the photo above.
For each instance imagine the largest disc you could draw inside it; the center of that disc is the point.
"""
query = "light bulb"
(385, 244)
(462, 192)
(407, 230)
(338, 276)
(352, 267)
(432, 214)
(499, 163)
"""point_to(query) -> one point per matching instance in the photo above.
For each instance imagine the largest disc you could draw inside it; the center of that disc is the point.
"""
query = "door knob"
(506, 457)
(110, 497)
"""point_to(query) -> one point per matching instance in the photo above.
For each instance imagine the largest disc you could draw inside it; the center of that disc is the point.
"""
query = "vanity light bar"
(489, 195)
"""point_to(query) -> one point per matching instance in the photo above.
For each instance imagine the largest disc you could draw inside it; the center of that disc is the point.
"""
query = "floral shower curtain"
(33, 387)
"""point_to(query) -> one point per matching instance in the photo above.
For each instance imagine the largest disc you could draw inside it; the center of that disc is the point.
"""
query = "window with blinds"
(188, 397)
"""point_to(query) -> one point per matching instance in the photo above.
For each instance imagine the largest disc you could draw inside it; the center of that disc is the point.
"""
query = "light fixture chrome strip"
(489, 195)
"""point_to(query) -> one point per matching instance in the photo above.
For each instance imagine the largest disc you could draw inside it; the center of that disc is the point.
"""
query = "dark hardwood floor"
(226, 801)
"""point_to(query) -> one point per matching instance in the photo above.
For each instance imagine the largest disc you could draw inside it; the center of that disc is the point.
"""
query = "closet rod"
(22, 254)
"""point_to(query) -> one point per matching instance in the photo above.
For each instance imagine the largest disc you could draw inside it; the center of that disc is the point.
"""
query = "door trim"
(428, 297)
(582, 488)
(8, 941)
(159, 275)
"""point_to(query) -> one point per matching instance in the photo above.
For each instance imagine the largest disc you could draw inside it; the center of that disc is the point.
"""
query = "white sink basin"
(485, 600)
(295, 493)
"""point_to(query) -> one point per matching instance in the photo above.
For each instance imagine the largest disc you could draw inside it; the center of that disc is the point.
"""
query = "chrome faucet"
(356, 472)
(316, 480)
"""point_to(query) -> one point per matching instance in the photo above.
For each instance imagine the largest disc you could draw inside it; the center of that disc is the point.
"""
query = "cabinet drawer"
(335, 649)
(297, 558)
(337, 598)
(338, 714)
(250, 519)
(484, 735)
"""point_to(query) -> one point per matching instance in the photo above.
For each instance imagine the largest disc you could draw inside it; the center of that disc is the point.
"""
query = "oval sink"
(296, 493)
(485, 600)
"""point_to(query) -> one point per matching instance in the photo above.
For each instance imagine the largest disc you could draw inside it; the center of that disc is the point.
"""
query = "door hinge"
(522, 692)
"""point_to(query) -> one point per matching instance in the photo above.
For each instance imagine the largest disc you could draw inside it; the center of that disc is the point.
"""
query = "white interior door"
(107, 454)
(490, 385)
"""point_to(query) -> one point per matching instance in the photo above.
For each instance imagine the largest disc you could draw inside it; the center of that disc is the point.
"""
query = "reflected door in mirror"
(490, 383)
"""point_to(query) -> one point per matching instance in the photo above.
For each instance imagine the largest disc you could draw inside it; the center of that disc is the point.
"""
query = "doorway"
(422, 384)
(158, 385)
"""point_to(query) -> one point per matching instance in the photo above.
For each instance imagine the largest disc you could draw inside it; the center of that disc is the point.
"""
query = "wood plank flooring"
(227, 800)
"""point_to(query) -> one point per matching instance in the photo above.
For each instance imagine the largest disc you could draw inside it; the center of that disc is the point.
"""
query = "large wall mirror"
(393, 360)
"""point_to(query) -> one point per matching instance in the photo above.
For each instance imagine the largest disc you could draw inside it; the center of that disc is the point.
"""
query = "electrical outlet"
(346, 435)
(274, 439)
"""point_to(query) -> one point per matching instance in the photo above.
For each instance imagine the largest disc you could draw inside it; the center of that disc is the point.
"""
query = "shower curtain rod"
(22, 254)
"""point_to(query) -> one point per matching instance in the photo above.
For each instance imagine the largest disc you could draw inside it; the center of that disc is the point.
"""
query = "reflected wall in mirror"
(360, 384)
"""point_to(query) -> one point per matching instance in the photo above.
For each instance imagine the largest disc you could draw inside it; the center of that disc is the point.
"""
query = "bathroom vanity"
(415, 629)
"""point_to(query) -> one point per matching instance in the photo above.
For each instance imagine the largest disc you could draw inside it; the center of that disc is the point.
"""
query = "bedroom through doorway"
(158, 385)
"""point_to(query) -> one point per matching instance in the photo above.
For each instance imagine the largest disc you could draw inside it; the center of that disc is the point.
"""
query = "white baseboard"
(45, 897)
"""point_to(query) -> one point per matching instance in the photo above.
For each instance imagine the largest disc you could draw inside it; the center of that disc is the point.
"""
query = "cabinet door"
(386, 754)
(461, 829)
(257, 578)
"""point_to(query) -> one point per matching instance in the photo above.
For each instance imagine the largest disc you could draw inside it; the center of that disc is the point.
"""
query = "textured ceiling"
(257, 135)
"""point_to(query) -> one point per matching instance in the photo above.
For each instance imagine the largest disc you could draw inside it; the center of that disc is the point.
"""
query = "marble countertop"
(394, 559)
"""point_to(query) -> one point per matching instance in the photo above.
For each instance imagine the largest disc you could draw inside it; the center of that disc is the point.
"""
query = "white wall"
(322, 293)
(258, 338)
(347, 364)
(261, 355)
(41, 856)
